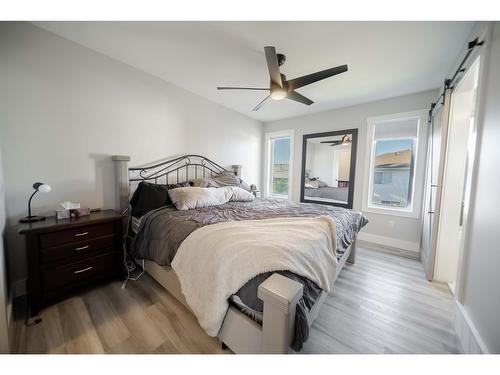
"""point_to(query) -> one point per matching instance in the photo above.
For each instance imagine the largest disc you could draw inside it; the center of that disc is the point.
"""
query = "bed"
(339, 194)
(268, 313)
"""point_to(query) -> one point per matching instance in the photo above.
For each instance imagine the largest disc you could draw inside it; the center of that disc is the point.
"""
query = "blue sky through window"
(281, 151)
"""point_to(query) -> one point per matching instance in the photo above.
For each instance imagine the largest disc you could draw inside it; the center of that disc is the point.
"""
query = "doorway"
(460, 148)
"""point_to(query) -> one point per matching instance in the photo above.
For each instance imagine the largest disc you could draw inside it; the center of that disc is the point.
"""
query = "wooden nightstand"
(64, 255)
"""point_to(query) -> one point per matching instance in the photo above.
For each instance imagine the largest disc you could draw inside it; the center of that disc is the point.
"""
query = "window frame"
(420, 146)
(289, 133)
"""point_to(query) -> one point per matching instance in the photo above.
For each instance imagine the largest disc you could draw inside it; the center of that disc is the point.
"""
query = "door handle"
(84, 270)
(461, 219)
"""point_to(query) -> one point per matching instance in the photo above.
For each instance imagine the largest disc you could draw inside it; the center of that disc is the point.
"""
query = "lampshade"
(41, 187)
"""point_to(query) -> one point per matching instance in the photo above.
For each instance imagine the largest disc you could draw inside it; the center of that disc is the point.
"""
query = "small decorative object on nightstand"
(39, 187)
(64, 255)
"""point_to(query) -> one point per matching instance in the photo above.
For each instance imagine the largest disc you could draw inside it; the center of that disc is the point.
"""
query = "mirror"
(328, 167)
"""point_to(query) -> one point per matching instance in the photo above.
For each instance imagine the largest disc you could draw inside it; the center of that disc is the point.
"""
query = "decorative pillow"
(188, 198)
(314, 183)
(220, 180)
(203, 182)
(227, 179)
(245, 186)
(149, 197)
(239, 194)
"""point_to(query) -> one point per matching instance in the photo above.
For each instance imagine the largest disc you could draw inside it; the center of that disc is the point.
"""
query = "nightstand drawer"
(91, 246)
(75, 234)
(83, 270)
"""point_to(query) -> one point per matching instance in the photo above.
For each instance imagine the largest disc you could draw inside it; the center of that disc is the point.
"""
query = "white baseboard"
(412, 248)
(467, 333)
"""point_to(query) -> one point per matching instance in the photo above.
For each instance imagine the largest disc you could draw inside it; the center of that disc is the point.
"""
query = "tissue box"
(72, 213)
(62, 214)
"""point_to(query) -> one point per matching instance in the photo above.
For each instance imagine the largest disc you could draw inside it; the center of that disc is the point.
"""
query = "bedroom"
(339, 216)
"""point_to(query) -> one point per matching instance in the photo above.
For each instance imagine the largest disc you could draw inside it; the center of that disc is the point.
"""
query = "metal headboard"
(172, 171)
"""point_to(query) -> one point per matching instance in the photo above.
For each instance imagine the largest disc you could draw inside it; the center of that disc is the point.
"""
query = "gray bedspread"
(328, 192)
(162, 231)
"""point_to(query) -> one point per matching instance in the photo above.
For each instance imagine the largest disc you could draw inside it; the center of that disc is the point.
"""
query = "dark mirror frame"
(352, 170)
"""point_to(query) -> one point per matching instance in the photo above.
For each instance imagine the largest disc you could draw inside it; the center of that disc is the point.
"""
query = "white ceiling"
(385, 59)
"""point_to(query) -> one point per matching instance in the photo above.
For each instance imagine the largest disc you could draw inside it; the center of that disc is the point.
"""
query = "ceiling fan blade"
(261, 103)
(240, 88)
(315, 77)
(293, 95)
(273, 66)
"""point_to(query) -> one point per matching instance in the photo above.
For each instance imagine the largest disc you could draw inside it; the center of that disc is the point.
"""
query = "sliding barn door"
(438, 125)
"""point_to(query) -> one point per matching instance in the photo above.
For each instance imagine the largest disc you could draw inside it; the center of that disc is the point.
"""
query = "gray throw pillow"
(220, 180)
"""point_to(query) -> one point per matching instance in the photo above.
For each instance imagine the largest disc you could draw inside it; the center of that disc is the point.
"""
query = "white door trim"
(482, 55)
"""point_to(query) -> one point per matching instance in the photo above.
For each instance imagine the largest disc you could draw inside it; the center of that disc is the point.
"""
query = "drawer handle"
(82, 248)
(84, 270)
(81, 234)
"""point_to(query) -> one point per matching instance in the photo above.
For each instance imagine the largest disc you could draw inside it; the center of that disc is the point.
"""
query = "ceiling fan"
(279, 87)
(344, 141)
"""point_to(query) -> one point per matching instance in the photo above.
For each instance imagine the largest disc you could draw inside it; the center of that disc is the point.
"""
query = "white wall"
(344, 164)
(64, 109)
(322, 163)
(481, 298)
(401, 232)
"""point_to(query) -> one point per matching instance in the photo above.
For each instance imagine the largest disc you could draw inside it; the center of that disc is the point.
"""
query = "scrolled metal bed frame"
(279, 294)
(183, 168)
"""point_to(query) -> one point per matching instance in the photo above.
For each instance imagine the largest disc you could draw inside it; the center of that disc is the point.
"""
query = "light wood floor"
(382, 304)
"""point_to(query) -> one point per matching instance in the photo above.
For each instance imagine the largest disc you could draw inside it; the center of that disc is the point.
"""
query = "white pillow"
(188, 198)
(239, 194)
(310, 186)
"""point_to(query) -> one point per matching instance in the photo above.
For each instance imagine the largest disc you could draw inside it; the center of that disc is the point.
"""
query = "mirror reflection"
(329, 167)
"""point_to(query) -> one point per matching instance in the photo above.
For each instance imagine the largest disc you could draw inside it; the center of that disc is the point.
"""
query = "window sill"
(392, 212)
(276, 196)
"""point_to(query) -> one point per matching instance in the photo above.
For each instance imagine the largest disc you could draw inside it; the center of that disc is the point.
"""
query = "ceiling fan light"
(278, 94)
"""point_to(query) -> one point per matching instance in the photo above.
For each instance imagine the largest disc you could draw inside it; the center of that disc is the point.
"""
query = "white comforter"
(215, 261)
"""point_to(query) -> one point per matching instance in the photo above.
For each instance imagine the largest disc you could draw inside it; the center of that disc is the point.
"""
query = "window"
(279, 164)
(382, 178)
(393, 155)
(393, 176)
